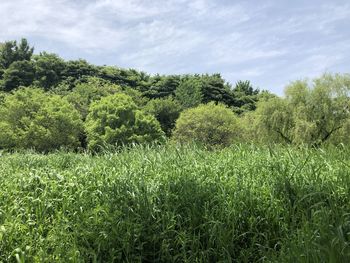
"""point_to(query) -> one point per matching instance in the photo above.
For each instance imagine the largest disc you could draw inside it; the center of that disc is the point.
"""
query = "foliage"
(168, 204)
(78, 68)
(309, 114)
(116, 120)
(53, 74)
(166, 112)
(245, 97)
(189, 93)
(83, 94)
(125, 77)
(210, 124)
(162, 86)
(2, 96)
(215, 89)
(30, 119)
(11, 52)
(19, 73)
(48, 70)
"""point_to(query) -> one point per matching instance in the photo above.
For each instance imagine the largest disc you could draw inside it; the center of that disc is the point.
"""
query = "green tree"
(11, 52)
(166, 112)
(20, 73)
(310, 113)
(162, 86)
(77, 71)
(245, 97)
(245, 87)
(29, 118)
(210, 124)
(48, 70)
(83, 94)
(215, 89)
(116, 120)
(189, 93)
(125, 77)
(2, 96)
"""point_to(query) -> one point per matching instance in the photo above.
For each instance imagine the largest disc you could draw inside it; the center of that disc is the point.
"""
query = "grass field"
(168, 204)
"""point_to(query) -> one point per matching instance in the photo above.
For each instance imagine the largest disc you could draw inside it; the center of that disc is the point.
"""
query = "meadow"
(176, 204)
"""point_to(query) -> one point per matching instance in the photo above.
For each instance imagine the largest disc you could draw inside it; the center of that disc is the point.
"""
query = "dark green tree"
(132, 78)
(215, 89)
(48, 70)
(162, 86)
(189, 92)
(166, 112)
(77, 71)
(20, 73)
(12, 51)
(245, 97)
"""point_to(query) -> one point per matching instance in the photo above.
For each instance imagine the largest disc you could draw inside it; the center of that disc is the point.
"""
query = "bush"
(116, 120)
(210, 124)
(2, 96)
(29, 118)
(83, 94)
(166, 112)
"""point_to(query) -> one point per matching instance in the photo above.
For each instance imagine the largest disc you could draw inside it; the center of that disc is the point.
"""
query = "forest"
(48, 103)
(106, 164)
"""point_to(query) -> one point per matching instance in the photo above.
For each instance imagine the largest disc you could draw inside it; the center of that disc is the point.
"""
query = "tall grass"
(176, 204)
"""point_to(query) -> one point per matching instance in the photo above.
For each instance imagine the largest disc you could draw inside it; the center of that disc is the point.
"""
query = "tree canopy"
(32, 119)
(209, 124)
(116, 120)
(310, 113)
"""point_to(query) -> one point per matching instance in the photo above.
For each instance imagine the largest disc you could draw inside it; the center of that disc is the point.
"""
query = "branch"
(289, 141)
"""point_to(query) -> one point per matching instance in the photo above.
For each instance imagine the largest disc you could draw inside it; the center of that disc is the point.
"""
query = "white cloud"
(245, 38)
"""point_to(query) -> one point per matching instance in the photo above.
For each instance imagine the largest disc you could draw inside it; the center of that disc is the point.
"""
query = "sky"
(269, 42)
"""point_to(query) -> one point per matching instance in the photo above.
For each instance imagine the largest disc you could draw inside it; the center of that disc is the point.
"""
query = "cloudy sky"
(269, 42)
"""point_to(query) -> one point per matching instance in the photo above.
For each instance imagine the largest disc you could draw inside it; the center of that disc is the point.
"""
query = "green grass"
(169, 204)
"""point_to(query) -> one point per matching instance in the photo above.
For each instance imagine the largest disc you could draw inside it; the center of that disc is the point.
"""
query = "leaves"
(115, 120)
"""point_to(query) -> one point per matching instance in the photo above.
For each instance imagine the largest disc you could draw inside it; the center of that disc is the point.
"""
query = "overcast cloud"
(267, 42)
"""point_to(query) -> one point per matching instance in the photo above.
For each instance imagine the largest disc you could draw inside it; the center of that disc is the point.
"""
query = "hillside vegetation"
(47, 103)
(103, 164)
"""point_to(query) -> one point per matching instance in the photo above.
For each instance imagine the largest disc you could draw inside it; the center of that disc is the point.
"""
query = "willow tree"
(311, 112)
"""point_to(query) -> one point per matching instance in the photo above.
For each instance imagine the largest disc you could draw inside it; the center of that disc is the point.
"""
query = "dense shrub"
(83, 94)
(166, 112)
(116, 120)
(210, 124)
(29, 118)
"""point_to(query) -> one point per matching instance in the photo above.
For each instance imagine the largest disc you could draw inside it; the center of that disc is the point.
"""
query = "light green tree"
(209, 124)
(116, 120)
(310, 113)
(83, 94)
(29, 118)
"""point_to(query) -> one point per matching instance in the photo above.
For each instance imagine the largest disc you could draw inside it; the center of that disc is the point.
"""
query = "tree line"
(47, 103)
